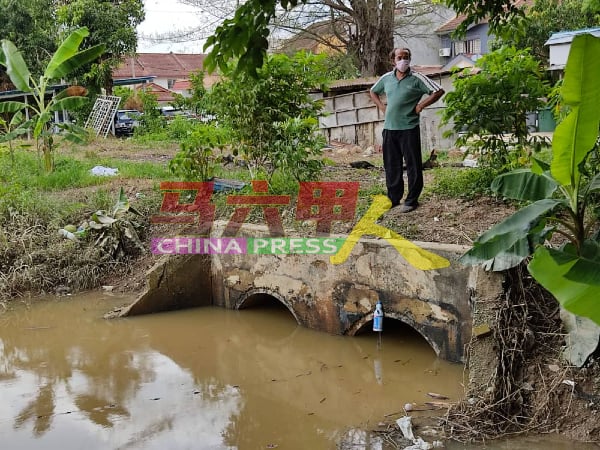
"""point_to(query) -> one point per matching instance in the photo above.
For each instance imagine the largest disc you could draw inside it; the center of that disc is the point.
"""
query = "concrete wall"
(354, 119)
(337, 299)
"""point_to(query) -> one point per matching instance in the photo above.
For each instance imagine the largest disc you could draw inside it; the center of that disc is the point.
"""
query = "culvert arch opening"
(398, 332)
(267, 303)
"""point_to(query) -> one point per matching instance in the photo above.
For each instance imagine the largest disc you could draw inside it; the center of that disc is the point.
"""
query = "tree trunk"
(372, 40)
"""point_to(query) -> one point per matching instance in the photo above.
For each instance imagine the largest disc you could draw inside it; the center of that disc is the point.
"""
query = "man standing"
(404, 89)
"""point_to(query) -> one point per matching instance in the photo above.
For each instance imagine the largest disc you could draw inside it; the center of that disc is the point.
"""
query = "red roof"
(453, 24)
(162, 94)
(163, 65)
(181, 85)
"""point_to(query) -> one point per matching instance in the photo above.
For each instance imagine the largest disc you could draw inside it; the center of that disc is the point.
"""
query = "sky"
(163, 16)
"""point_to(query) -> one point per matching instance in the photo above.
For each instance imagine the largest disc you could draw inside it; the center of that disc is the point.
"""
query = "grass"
(467, 183)
(34, 205)
(70, 173)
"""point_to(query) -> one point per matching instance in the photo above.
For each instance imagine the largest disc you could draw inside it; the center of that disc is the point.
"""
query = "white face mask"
(402, 65)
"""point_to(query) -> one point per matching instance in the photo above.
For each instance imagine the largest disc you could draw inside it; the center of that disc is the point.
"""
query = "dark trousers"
(399, 145)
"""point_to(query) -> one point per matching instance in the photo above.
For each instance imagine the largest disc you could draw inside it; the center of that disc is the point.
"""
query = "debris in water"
(438, 396)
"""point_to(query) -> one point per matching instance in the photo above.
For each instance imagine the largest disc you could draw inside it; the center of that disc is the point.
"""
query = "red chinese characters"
(326, 202)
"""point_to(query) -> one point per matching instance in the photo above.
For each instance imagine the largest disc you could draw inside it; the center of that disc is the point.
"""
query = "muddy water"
(199, 379)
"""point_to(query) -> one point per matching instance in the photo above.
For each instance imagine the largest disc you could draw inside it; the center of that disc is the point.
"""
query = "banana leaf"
(68, 57)
(101, 218)
(69, 103)
(16, 68)
(6, 137)
(506, 244)
(523, 184)
(575, 283)
(11, 107)
(576, 135)
(594, 184)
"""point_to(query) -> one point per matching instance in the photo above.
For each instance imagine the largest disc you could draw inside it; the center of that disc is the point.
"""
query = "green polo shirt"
(402, 98)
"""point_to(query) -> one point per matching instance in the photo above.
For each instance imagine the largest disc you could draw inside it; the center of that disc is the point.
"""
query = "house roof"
(367, 82)
(209, 80)
(453, 24)
(181, 85)
(162, 94)
(459, 61)
(160, 65)
(567, 36)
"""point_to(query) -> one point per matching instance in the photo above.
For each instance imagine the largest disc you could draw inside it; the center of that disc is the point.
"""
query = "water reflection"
(202, 379)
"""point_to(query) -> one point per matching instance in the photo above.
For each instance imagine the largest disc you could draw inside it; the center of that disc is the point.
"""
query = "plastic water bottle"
(378, 317)
(67, 234)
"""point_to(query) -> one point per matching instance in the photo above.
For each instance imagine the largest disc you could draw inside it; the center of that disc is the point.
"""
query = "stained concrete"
(337, 299)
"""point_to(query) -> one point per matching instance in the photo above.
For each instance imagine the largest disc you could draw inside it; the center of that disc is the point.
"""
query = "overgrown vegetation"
(263, 114)
(197, 158)
(562, 197)
(452, 182)
(65, 60)
(528, 339)
(34, 205)
(489, 106)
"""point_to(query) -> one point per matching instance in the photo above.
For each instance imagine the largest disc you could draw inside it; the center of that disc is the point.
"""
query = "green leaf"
(576, 135)
(538, 166)
(550, 268)
(12, 135)
(594, 184)
(523, 220)
(523, 184)
(68, 48)
(69, 103)
(506, 244)
(500, 253)
(79, 59)
(40, 122)
(11, 107)
(16, 68)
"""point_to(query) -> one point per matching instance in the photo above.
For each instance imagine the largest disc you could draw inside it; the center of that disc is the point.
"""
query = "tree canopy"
(112, 23)
(31, 26)
(544, 18)
(245, 35)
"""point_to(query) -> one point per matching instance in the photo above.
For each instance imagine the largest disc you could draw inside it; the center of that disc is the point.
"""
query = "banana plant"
(562, 199)
(12, 129)
(65, 60)
(117, 234)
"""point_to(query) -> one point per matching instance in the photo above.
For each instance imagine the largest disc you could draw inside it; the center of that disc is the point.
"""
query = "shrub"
(196, 160)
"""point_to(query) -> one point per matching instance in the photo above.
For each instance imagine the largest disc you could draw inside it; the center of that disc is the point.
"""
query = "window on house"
(474, 46)
(170, 83)
(471, 47)
(459, 47)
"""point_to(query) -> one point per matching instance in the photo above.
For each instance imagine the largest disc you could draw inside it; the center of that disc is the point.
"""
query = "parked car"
(169, 113)
(125, 122)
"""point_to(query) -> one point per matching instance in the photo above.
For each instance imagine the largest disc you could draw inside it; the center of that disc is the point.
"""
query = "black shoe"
(407, 208)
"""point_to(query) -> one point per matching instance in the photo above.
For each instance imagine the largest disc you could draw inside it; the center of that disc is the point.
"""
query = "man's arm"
(377, 100)
(432, 98)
